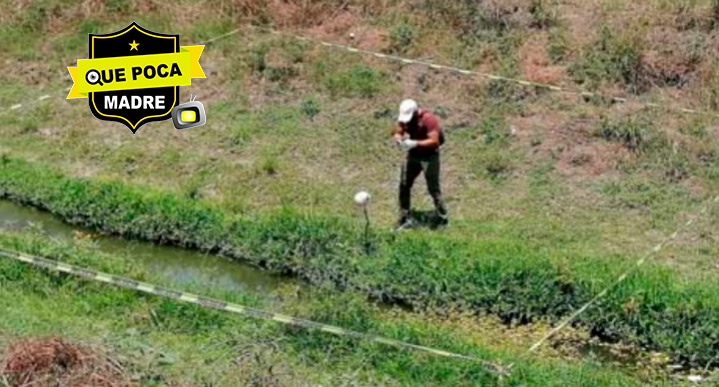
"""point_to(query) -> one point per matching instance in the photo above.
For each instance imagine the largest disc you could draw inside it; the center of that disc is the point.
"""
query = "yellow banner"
(136, 72)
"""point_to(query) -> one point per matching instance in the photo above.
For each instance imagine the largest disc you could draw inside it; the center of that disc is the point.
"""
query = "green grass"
(359, 81)
(632, 135)
(401, 38)
(501, 277)
(162, 342)
(296, 125)
(614, 57)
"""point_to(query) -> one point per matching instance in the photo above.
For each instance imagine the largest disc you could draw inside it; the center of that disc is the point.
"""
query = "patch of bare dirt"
(31, 73)
(535, 63)
(673, 57)
(347, 27)
(570, 142)
(368, 38)
(292, 14)
(580, 16)
(54, 362)
(591, 159)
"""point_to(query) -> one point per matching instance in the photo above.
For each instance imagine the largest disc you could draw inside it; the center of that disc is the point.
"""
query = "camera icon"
(189, 115)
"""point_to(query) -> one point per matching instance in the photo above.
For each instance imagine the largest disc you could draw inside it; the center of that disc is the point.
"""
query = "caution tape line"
(212, 303)
(216, 38)
(18, 106)
(436, 66)
(656, 249)
(494, 77)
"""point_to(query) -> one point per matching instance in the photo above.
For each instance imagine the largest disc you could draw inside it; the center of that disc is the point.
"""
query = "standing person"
(419, 134)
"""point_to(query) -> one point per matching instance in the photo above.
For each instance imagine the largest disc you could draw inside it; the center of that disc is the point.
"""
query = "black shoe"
(404, 223)
(441, 221)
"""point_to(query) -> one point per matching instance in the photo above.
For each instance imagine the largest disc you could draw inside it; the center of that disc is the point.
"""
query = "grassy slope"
(565, 185)
(566, 166)
(656, 308)
(165, 342)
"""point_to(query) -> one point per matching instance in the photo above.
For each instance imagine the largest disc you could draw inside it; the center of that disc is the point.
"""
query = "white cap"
(406, 110)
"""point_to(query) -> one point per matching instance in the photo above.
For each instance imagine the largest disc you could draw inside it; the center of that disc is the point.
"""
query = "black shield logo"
(133, 40)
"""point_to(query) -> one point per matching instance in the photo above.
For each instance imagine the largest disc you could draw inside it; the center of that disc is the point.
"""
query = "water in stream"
(179, 265)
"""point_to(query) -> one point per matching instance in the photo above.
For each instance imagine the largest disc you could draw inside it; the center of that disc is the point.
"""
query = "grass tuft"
(632, 134)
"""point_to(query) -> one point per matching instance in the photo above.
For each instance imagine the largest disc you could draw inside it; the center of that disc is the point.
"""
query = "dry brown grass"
(304, 13)
(55, 362)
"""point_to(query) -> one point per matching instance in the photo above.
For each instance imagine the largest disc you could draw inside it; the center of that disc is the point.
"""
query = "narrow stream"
(179, 265)
(188, 266)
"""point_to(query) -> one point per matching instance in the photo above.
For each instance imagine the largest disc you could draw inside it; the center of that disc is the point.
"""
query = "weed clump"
(495, 164)
(54, 362)
(653, 147)
(359, 81)
(310, 107)
(632, 134)
(614, 56)
(401, 37)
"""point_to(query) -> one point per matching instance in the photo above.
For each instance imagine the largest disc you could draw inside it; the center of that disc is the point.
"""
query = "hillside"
(552, 194)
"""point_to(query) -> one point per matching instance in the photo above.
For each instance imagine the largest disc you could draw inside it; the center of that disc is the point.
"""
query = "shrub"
(632, 134)
(500, 91)
(401, 37)
(359, 81)
(616, 57)
(310, 107)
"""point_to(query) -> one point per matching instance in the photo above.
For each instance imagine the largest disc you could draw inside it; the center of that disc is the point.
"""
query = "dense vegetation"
(163, 342)
(656, 309)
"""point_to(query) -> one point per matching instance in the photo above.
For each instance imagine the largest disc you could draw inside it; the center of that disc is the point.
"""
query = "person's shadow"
(425, 219)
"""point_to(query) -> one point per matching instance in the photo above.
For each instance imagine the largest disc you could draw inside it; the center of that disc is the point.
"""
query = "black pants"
(430, 165)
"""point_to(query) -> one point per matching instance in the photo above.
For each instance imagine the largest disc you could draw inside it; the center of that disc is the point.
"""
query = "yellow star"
(133, 46)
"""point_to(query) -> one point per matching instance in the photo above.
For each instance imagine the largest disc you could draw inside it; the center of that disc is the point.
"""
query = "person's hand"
(408, 144)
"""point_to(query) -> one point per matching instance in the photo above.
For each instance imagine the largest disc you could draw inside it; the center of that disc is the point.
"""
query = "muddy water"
(179, 265)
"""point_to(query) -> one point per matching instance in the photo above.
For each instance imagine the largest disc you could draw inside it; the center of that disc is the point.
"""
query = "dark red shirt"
(419, 129)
